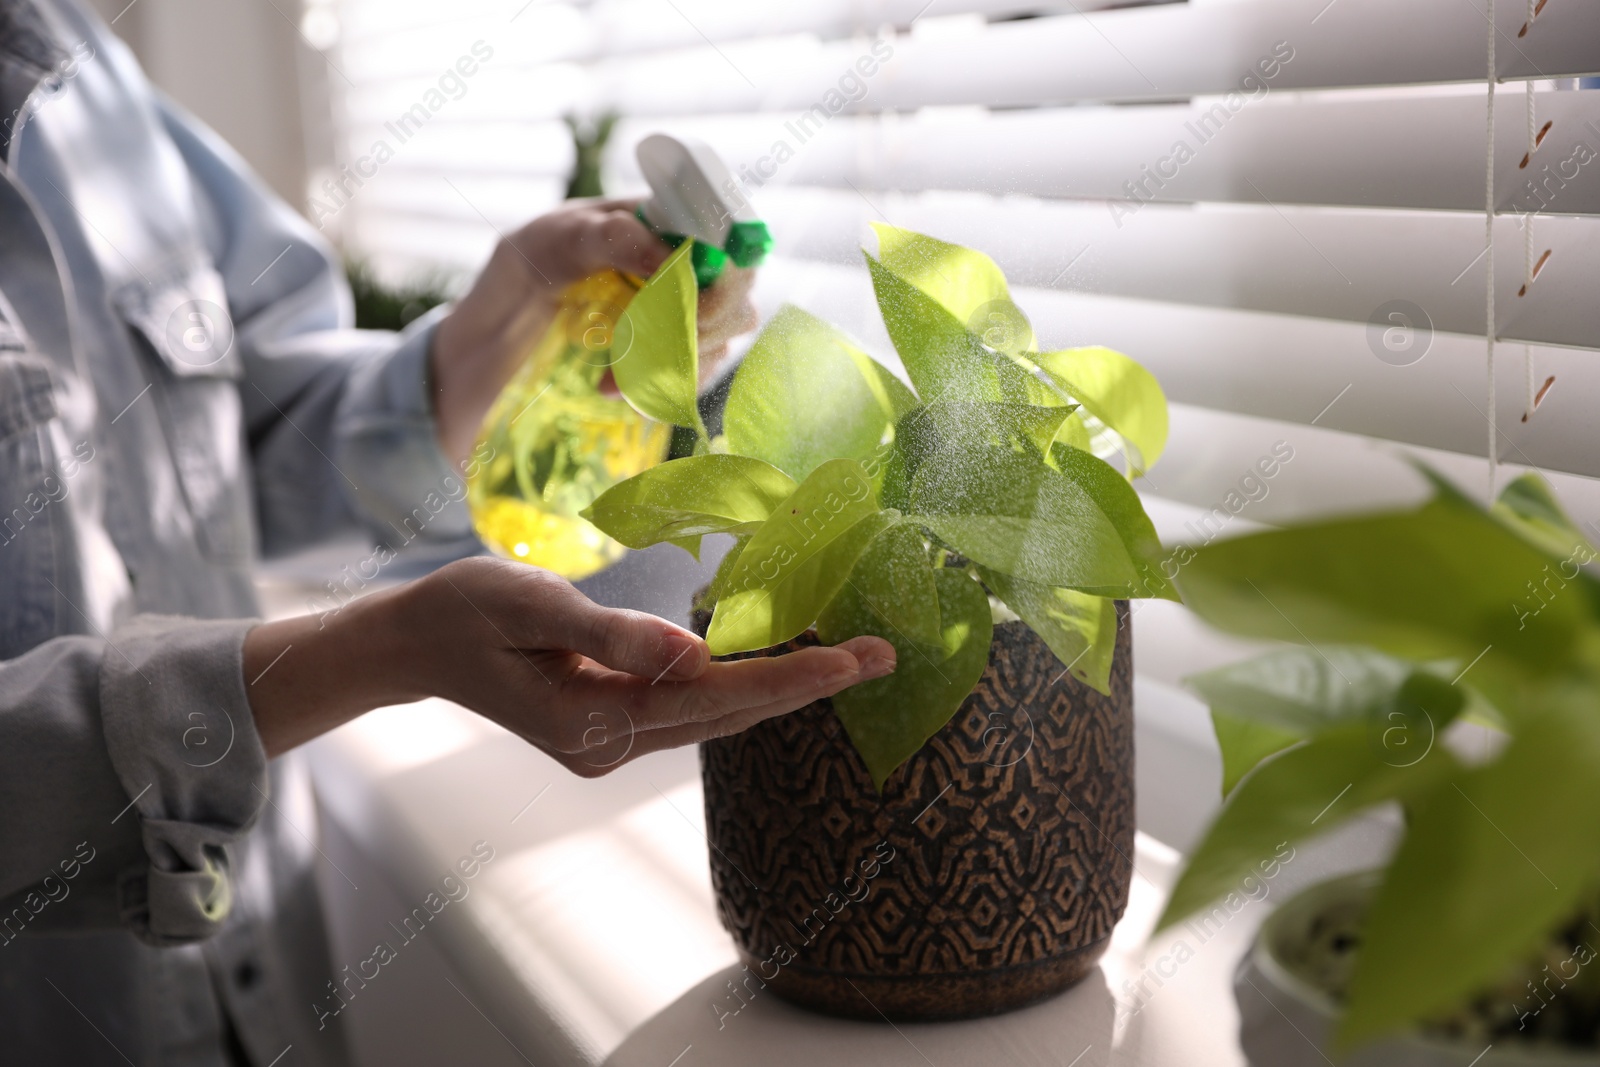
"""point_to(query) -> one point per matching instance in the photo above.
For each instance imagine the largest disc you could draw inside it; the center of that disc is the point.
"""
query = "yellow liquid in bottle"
(554, 442)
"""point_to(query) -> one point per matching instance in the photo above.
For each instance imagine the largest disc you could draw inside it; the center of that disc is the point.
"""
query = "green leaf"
(1493, 862)
(1118, 392)
(1008, 511)
(963, 281)
(657, 362)
(895, 579)
(1021, 383)
(1081, 629)
(1528, 506)
(957, 427)
(890, 718)
(1443, 581)
(1306, 790)
(688, 498)
(1245, 743)
(958, 279)
(805, 394)
(943, 359)
(948, 428)
(1263, 705)
(1303, 690)
(1120, 503)
(796, 562)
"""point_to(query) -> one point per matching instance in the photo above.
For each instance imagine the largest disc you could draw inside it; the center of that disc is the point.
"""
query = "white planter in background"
(1285, 1021)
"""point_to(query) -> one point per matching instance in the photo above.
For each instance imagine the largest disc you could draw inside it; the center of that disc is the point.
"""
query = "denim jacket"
(180, 392)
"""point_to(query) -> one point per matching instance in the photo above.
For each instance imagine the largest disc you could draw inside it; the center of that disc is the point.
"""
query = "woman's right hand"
(594, 687)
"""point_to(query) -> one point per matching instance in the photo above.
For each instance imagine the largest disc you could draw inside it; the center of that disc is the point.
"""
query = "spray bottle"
(555, 440)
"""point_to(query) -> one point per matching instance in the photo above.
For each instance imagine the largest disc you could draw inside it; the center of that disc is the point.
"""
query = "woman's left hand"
(480, 344)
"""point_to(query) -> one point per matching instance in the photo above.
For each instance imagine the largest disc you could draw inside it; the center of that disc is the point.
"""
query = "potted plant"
(1479, 936)
(952, 839)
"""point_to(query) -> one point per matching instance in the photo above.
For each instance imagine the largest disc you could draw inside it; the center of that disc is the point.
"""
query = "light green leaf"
(1074, 433)
(1118, 392)
(961, 280)
(805, 394)
(1008, 511)
(1081, 629)
(895, 579)
(688, 498)
(1245, 743)
(1306, 790)
(943, 359)
(1492, 863)
(1528, 506)
(657, 362)
(890, 718)
(796, 562)
(1440, 582)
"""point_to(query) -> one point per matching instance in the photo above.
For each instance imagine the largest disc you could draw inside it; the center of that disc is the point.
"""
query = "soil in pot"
(1547, 1006)
(987, 876)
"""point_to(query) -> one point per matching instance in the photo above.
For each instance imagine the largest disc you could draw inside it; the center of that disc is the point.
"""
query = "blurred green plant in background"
(1396, 624)
(589, 140)
(383, 306)
(380, 306)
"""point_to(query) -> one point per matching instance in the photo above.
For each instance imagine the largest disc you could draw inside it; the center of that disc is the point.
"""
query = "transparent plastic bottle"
(557, 441)
(555, 438)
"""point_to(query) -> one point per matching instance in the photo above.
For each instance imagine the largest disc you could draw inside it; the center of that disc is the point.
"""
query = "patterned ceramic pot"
(987, 876)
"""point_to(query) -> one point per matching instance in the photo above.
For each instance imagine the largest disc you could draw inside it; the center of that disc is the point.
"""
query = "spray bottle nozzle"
(749, 243)
(694, 195)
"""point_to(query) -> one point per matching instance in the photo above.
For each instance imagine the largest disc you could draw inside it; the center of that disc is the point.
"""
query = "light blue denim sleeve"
(340, 421)
(155, 712)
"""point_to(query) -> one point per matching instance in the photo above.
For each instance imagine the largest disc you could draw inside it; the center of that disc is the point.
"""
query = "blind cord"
(1488, 225)
(1529, 400)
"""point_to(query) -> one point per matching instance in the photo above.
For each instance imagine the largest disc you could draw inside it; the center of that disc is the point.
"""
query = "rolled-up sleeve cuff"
(388, 445)
(184, 744)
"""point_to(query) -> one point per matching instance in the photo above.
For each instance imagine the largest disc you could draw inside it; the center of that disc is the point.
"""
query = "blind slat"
(1343, 264)
(1324, 263)
(1400, 149)
(620, 27)
(1287, 368)
(1210, 454)
(1138, 54)
(1134, 54)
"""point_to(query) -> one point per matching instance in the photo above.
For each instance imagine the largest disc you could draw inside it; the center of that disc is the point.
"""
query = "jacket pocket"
(183, 319)
(183, 313)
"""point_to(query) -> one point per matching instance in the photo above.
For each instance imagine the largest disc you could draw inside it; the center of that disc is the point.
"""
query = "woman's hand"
(594, 687)
(480, 344)
(724, 313)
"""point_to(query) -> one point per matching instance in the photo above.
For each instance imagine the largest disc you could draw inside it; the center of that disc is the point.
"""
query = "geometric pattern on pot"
(988, 874)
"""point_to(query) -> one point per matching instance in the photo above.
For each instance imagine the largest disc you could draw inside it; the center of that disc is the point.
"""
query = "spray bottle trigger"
(708, 261)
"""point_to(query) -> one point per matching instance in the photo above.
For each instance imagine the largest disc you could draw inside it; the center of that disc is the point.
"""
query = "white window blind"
(1276, 205)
